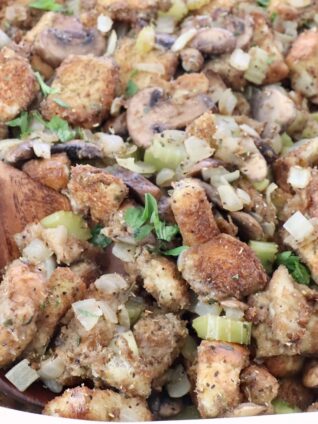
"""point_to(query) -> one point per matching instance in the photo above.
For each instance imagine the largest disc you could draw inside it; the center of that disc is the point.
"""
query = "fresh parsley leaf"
(134, 217)
(61, 128)
(175, 252)
(22, 122)
(46, 89)
(49, 5)
(99, 239)
(143, 232)
(61, 103)
(263, 3)
(297, 270)
(131, 89)
(163, 231)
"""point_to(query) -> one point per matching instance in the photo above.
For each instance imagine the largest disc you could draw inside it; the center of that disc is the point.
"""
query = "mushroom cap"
(214, 41)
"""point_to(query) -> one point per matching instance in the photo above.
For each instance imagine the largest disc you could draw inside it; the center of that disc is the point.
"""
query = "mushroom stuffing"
(159, 216)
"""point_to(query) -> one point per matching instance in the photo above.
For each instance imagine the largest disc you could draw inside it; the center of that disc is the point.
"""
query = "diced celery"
(287, 142)
(282, 407)
(135, 307)
(75, 224)
(211, 327)
(265, 251)
(259, 64)
(177, 11)
(145, 40)
(163, 153)
(261, 185)
(189, 349)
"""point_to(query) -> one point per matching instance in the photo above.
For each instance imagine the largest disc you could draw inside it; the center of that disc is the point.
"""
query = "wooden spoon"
(22, 201)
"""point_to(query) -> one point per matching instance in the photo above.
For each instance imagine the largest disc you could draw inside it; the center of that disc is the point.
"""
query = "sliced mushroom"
(136, 182)
(214, 41)
(249, 228)
(248, 409)
(150, 112)
(196, 169)
(78, 149)
(165, 40)
(68, 36)
(273, 106)
(15, 150)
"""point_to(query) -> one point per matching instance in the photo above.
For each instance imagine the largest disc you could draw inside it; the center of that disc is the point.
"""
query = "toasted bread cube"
(193, 212)
(218, 377)
(18, 85)
(87, 85)
(222, 267)
(259, 385)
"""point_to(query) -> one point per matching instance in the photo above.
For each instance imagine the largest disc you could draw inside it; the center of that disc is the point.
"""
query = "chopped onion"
(234, 313)
(22, 375)
(108, 311)
(244, 196)
(87, 312)
(197, 4)
(116, 106)
(145, 41)
(110, 144)
(178, 10)
(306, 83)
(52, 385)
(4, 39)
(155, 68)
(123, 251)
(183, 40)
(249, 130)
(112, 43)
(299, 3)
(258, 66)
(123, 317)
(269, 191)
(139, 167)
(164, 177)
(298, 226)
(36, 251)
(197, 149)
(50, 266)
(179, 384)
(111, 283)
(230, 200)
(130, 338)
(51, 369)
(42, 150)
(104, 23)
(299, 177)
(165, 24)
(227, 102)
(240, 60)
(202, 308)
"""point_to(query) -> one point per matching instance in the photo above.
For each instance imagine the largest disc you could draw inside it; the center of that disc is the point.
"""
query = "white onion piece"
(299, 226)
(51, 369)
(249, 130)
(36, 251)
(50, 266)
(299, 177)
(165, 24)
(244, 196)
(202, 308)
(227, 102)
(112, 43)
(87, 312)
(116, 106)
(139, 167)
(104, 23)
(179, 384)
(130, 338)
(155, 68)
(240, 60)
(111, 283)
(22, 375)
(123, 251)
(4, 39)
(164, 177)
(183, 40)
(108, 311)
(299, 3)
(233, 313)
(269, 191)
(197, 149)
(52, 385)
(306, 83)
(110, 144)
(229, 198)
(42, 150)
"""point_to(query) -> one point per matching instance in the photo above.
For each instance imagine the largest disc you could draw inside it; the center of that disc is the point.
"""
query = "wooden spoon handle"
(22, 201)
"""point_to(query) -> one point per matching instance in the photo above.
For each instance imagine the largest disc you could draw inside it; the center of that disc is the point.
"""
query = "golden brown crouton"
(258, 385)
(302, 61)
(64, 287)
(87, 85)
(204, 128)
(22, 291)
(163, 281)
(193, 212)
(93, 190)
(128, 10)
(18, 85)
(97, 405)
(53, 172)
(284, 366)
(218, 378)
(294, 393)
(222, 267)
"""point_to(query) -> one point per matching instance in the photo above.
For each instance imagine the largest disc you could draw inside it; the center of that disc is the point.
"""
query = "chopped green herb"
(297, 270)
(282, 407)
(136, 218)
(273, 16)
(61, 128)
(22, 122)
(49, 5)
(263, 3)
(99, 239)
(131, 89)
(61, 103)
(176, 251)
(46, 89)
